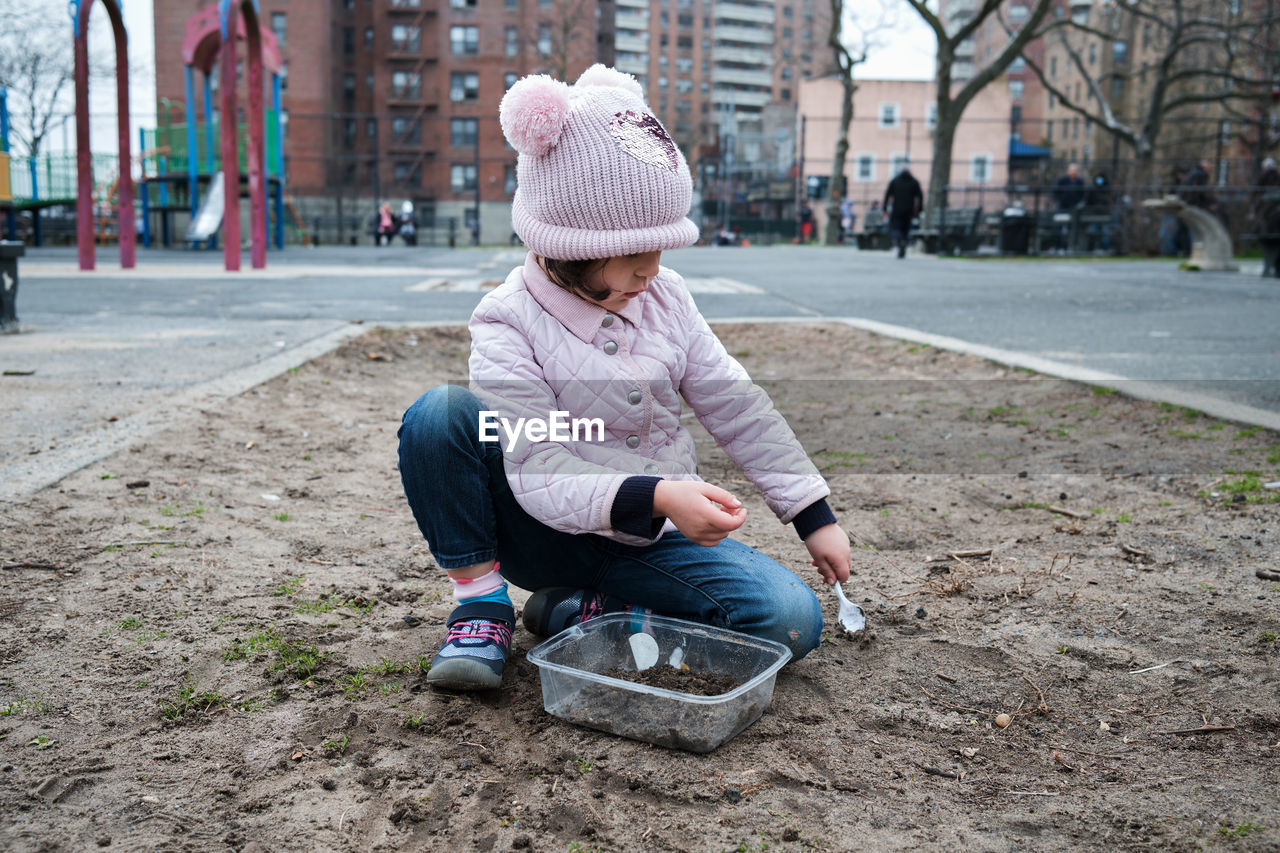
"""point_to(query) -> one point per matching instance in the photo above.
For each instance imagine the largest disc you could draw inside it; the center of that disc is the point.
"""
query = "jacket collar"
(576, 314)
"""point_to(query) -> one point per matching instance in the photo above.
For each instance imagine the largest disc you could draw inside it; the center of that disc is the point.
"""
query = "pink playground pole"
(125, 228)
(257, 186)
(84, 164)
(228, 124)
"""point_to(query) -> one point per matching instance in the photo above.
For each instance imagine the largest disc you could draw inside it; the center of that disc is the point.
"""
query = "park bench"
(875, 231)
(958, 231)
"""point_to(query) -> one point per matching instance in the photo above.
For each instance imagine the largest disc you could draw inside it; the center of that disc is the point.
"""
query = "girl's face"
(626, 277)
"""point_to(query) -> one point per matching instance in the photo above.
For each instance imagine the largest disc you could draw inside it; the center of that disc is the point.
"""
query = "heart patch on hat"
(643, 137)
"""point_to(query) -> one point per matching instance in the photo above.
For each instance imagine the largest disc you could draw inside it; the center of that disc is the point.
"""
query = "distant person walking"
(806, 223)
(1266, 213)
(1069, 194)
(904, 201)
(384, 226)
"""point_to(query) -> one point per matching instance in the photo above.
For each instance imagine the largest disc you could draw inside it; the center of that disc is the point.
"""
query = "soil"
(229, 656)
(680, 680)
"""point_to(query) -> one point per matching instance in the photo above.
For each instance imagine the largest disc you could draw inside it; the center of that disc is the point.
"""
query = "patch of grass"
(24, 705)
(281, 516)
(189, 700)
(131, 622)
(354, 685)
(1273, 458)
(1250, 482)
(42, 742)
(1097, 510)
(1239, 831)
(1165, 503)
(111, 549)
(584, 767)
(390, 688)
(169, 510)
(289, 586)
(1189, 434)
(307, 458)
(107, 476)
(300, 659)
(333, 601)
(1268, 637)
(414, 721)
(336, 747)
(1102, 391)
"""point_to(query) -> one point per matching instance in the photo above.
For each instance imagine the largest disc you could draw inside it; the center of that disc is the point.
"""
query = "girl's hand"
(829, 547)
(692, 507)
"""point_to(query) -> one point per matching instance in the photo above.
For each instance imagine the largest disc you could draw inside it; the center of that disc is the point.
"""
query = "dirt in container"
(680, 679)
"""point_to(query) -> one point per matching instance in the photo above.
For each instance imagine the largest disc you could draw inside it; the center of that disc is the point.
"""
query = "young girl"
(565, 468)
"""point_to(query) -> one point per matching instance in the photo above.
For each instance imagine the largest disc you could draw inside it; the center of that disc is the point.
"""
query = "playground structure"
(169, 155)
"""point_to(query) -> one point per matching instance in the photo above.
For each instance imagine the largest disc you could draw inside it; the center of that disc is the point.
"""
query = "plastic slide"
(209, 217)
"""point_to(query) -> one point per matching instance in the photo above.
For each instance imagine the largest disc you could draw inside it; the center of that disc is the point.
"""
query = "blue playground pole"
(275, 102)
(11, 219)
(209, 149)
(145, 192)
(162, 168)
(193, 184)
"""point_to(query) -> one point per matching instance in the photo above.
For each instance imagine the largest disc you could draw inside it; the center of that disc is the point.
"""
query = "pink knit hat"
(598, 176)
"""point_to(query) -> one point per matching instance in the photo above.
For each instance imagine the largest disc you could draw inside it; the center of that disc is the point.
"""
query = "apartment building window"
(662, 61)
(662, 83)
(1048, 131)
(284, 76)
(349, 86)
(787, 12)
(348, 41)
(1066, 128)
(371, 128)
(348, 132)
(786, 33)
(1015, 89)
(1053, 66)
(706, 88)
(464, 86)
(864, 167)
(405, 4)
(1146, 35)
(1093, 53)
(684, 19)
(406, 130)
(784, 94)
(897, 162)
(406, 174)
(462, 178)
(406, 84)
(1119, 50)
(1117, 88)
(368, 38)
(684, 85)
(368, 84)
(463, 132)
(509, 179)
(980, 168)
(513, 4)
(786, 72)
(544, 39)
(888, 115)
(462, 4)
(684, 42)
(279, 27)
(509, 79)
(684, 64)
(930, 116)
(511, 41)
(1017, 13)
(1075, 127)
(348, 5)
(1018, 64)
(463, 41)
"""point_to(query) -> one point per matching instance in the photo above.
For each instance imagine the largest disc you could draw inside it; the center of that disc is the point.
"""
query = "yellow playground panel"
(6, 191)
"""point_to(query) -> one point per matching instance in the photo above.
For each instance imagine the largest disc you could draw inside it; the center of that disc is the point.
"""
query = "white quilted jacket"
(537, 348)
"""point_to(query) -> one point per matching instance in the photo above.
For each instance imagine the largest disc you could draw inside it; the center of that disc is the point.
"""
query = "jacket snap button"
(651, 469)
(607, 321)
(610, 348)
(634, 397)
(633, 441)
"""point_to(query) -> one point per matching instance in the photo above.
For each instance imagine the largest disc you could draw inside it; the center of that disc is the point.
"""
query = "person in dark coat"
(904, 201)
(1266, 213)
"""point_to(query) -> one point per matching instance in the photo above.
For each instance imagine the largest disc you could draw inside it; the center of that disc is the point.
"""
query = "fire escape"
(415, 97)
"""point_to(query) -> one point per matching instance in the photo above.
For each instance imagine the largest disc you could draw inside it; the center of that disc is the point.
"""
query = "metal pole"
(193, 184)
(275, 102)
(143, 201)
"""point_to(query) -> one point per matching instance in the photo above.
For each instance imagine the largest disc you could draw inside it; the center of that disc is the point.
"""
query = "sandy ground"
(214, 640)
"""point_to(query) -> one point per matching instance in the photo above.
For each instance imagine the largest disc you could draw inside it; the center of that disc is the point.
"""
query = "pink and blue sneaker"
(475, 648)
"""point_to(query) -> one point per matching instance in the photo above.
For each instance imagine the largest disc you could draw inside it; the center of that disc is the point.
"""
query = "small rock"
(733, 795)
(790, 834)
(1238, 498)
(521, 842)
(1022, 475)
(1062, 496)
(104, 840)
(411, 620)
(328, 784)
(466, 764)
(1003, 720)
(920, 613)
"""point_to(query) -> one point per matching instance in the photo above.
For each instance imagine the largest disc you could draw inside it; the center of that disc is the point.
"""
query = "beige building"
(893, 123)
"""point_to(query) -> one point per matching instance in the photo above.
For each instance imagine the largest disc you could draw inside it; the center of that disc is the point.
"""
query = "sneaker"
(549, 611)
(475, 648)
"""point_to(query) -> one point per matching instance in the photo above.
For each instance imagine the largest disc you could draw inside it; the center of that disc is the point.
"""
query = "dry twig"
(26, 565)
(1202, 730)
(1067, 512)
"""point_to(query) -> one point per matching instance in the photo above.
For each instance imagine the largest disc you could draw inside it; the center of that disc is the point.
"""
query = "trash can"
(1015, 232)
(9, 254)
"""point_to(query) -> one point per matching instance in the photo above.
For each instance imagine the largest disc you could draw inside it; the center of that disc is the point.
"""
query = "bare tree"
(556, 39)
(952, 101)
(845, 60)
(1199, 53)
(38, 69)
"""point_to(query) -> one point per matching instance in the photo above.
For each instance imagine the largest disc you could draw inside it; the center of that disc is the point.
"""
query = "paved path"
(137, 346)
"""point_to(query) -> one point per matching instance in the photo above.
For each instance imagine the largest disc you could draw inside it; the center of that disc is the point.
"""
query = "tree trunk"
(836, 184)
(944, 137)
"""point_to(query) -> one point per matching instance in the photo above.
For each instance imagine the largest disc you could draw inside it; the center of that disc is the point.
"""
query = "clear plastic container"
(574, 687)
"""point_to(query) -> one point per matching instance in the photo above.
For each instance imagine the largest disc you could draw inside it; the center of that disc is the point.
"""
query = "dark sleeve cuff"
(815, 515)
(632, 510)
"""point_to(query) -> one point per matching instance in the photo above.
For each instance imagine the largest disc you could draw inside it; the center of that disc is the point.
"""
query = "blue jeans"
(464, 507)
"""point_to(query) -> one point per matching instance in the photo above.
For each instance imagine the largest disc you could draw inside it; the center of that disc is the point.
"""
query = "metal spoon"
(850, 617)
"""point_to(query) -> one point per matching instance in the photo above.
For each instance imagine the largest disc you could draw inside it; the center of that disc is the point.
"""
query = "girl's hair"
(574, 276)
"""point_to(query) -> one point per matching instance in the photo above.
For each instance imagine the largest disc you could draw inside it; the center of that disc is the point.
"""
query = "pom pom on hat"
(602, 75)
(533, 112)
